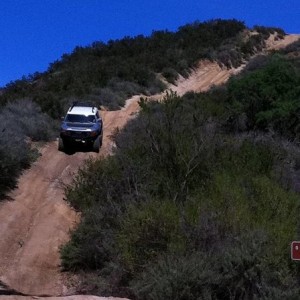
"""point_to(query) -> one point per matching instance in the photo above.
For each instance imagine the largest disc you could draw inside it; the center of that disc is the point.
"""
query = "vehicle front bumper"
(78, 137)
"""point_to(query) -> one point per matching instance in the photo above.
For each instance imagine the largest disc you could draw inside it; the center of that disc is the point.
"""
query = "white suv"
(81, 125)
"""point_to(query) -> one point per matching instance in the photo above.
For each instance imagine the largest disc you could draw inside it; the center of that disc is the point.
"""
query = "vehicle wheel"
(61, 146)
(96, 145)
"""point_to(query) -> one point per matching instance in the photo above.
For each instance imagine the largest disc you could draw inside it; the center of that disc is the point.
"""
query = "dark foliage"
(110, 73)
(237, 271)
(293, 48)
(266, 31)
(269, 98)
(20, 123)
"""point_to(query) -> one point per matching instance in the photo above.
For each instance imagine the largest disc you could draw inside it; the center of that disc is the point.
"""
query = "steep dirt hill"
(36, 220)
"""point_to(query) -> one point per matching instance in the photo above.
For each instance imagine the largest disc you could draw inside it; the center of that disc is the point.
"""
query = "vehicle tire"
(101, 140)
(61, 145)
(96, 145)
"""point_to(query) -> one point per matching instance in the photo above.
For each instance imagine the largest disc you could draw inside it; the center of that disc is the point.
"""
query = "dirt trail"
(206, 75)
(274, 44)
(36, 222)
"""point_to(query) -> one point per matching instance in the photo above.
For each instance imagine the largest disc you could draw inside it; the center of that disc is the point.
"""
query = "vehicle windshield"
(80, 118)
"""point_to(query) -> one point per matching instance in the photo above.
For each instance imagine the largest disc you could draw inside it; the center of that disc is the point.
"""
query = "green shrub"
(93, 244)
(20, 123)
(269, 97)
(256, 63)
(238, 271)
(26, 117)
(15, 155)
(170, 74)
(147, 231)
(177, 277)
(266, 31)
(98, 182)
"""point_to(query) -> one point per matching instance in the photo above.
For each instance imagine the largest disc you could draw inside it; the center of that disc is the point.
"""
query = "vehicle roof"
(82, 110)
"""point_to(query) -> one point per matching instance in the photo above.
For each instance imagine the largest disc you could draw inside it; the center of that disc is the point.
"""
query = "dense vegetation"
(201, 197)
(108, 73)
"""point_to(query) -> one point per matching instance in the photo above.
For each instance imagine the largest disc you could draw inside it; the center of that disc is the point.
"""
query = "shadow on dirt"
(5, 290)
(78, 148)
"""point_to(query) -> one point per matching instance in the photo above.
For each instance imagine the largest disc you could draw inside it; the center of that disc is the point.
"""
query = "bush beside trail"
(269, 98)
(21, 122)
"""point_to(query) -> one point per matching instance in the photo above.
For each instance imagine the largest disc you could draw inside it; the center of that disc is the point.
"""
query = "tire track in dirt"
(34, 223)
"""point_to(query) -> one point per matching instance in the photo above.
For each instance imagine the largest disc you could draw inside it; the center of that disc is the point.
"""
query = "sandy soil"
(206, 75)
(273, 44)
(36, 221)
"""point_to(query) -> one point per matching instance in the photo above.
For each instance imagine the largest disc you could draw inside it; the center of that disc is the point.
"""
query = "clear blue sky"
(35, 33)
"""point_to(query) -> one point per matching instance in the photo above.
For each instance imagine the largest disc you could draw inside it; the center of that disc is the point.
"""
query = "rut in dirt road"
(33, 225)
